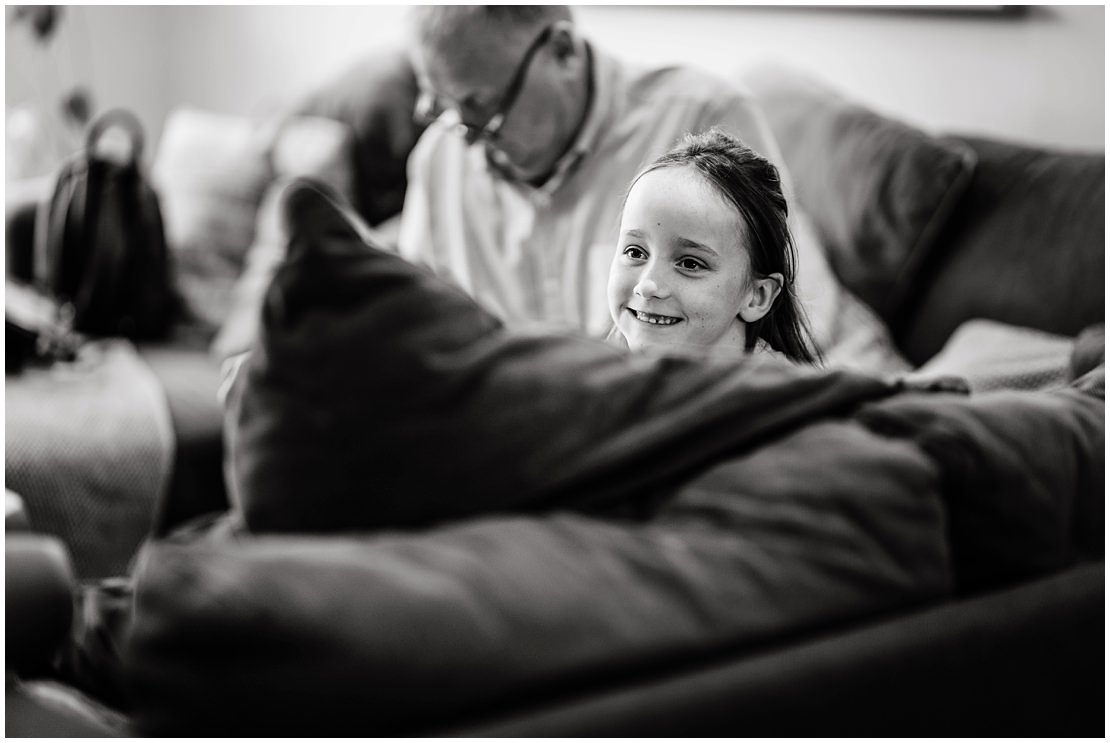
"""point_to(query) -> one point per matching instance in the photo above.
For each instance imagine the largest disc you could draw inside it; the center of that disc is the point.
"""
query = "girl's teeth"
(655, 319)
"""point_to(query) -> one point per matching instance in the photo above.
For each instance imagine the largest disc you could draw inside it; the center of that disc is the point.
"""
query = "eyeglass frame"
(428, 107)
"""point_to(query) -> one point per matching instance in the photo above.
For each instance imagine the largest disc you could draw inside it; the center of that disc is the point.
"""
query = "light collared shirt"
(543, 253)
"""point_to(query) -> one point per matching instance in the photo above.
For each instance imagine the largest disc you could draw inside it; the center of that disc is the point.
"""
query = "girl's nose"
(647, 287)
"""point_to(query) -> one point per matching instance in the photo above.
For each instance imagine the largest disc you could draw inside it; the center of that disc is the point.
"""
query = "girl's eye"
(636, 254)
(691, 264)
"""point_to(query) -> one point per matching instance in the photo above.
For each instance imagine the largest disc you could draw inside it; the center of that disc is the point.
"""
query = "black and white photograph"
(548, 371)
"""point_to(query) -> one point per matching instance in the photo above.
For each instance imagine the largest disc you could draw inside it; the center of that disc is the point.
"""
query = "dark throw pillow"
(878, 190)
(1026, 247)
(376, 98)
(377, 395)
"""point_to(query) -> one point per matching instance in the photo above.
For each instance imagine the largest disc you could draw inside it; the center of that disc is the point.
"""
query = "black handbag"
(100, 246)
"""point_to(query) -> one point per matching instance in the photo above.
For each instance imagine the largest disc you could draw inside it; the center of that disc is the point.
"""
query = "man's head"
(515, 77)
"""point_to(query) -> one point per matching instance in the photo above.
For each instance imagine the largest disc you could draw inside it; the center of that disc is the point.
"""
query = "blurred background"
(1032, 74)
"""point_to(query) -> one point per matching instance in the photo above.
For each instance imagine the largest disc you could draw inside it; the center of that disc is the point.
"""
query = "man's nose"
(427, 108)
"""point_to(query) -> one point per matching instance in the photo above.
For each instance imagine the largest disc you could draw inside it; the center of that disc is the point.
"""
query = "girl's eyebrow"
(695, 245)
(634, 233)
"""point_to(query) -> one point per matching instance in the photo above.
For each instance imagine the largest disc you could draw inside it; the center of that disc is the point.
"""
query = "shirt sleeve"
(415, 238)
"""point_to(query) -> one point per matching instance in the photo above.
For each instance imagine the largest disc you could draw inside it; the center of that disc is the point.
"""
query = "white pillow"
(210, 172)
(304, 146)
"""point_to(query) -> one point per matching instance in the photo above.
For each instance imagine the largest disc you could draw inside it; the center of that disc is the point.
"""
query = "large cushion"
(1026, 247)
(361, 352)
(878, 190)
(376, 98)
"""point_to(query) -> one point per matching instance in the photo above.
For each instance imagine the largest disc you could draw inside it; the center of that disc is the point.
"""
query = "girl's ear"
(760, 297)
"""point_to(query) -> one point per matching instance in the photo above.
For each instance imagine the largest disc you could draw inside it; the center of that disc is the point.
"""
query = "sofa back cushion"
(1025, 246)
(376, 98)
(878, 191)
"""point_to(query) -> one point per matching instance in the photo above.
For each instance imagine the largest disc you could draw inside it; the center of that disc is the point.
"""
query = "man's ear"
(760, 297)
(564, 39)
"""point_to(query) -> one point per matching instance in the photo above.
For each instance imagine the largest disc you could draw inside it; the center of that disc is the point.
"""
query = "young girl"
(705, 259)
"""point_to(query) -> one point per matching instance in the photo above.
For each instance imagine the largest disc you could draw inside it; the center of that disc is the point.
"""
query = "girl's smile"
(652, 319)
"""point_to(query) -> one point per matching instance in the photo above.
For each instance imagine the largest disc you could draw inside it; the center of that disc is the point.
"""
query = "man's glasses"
(429, 106)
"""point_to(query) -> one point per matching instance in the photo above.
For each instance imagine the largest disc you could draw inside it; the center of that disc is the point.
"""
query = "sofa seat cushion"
(1026, 246)
(878, 190)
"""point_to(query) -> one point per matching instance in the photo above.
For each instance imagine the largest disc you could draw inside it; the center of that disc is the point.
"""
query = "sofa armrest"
(38, 588)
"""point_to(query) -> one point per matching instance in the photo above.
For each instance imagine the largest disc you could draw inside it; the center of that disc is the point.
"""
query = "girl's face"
(681, 276)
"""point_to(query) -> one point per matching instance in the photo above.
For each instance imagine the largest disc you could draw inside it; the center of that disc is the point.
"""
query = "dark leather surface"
(190, 378)
(38, 607)
(53, 711)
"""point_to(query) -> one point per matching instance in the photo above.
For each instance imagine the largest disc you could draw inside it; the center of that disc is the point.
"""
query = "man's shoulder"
(665, 83)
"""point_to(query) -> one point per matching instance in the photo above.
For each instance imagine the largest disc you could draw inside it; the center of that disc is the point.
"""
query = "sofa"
(959, 244)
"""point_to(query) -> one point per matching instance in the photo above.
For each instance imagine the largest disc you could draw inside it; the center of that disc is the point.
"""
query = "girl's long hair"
(752, 184)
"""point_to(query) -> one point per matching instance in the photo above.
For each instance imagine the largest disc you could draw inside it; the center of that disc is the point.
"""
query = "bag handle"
(123, 119)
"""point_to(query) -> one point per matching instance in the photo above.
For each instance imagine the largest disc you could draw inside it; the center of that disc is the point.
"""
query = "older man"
(515, 188)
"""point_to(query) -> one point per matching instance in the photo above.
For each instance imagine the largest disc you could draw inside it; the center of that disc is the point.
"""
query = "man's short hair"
(438, 26)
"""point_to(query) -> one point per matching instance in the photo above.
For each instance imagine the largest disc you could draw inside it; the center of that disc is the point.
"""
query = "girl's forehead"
(680, 190)
(682, 202)
(677, 180)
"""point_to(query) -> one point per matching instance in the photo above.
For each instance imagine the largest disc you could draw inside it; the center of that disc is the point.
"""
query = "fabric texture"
(1089, 351)
(210, 172)
(879, 191)
(313, 147)
(1026, 247)
(375, 98)
(543, 254)
(540, 513)
(992, 355)
(89, 448)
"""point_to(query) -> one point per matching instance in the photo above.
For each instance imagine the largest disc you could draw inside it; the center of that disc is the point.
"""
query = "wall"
(117, 52)
(1038, 76)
